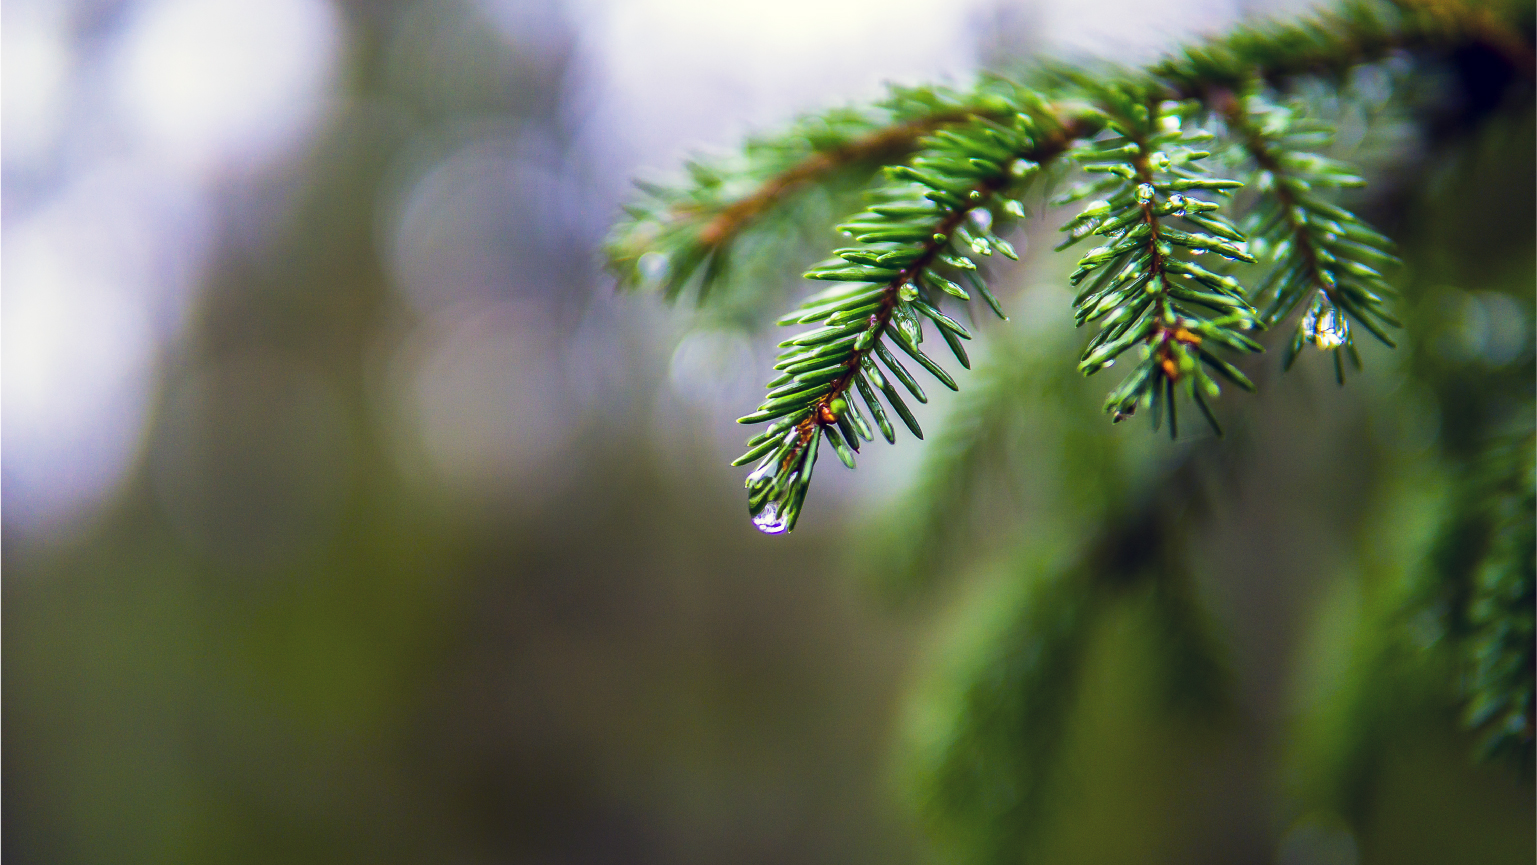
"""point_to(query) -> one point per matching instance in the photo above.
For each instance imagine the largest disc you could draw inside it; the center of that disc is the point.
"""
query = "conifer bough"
(1185, 271)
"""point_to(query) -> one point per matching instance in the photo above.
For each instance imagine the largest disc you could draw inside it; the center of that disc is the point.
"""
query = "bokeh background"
(350, 515)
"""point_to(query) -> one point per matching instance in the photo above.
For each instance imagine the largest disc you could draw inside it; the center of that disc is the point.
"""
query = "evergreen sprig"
(1319, 253)
(916, 245)
(1484, 587)
(1500, 667)
(1145, 287)
(1164, 282)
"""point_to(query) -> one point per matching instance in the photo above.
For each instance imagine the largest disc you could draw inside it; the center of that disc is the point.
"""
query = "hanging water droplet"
(982, 218)
(1330, 330)
(1310, 320)
(908, 291)
(907, 323)
(1177, 202)
(1022, 167)
(652, 266)
(1145, 192)
(768, 520)
(1159, 161)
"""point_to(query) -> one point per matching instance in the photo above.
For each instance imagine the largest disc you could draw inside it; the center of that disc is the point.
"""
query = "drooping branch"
(1145, 293)
(886, 284)
(959, 158)
(1320, 251)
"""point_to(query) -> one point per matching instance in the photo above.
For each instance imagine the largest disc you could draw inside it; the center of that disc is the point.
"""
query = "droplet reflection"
(652, 266)
(762, 471)
(1326, 326)
(769, 521)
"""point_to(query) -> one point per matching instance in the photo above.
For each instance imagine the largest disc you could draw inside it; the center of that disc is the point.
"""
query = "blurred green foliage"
(281, 643)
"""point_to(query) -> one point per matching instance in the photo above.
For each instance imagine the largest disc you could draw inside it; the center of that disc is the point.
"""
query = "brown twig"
(880, 146)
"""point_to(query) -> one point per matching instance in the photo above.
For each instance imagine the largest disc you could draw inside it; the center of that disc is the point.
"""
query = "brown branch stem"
(881, 145)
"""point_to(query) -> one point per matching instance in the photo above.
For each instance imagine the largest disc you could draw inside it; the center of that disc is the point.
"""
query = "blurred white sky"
(679, 73)
(125, 127)
(117, 134)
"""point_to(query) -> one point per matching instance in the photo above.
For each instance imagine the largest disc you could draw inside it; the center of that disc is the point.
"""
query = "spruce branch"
(674, 234)
(915, 243)
(989, 766)
(958, 159)
(1147, 288)
(1499, 652)
(1482, 588)
(1320, 253)
(1329, 42)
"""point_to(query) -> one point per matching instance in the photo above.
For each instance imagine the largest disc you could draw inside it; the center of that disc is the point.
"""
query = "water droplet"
(1159, 161)
(1170, 122)
(769, 522)
(1324, 325)
(908, 291)
(982, 218)
(1145, 192)
(1330, 330)
(652, 266)
(907, 323)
